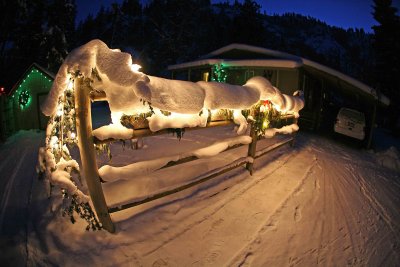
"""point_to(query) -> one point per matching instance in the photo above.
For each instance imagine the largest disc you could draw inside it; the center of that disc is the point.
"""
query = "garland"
(57, 164)
(265, 116)
(218, 73)
(24, 99)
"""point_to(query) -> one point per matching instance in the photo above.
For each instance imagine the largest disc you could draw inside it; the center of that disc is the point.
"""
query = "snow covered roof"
(250, 48)
(278, 63)
(34, 65)
(356, 83)
(281, 59)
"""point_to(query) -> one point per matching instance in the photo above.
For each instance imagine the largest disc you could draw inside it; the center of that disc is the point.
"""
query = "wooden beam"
(192, 158)
(87, 152)
(252, 147)
(98, 96)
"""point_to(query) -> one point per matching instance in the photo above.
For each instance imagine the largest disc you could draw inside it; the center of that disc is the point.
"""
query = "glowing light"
(60, 112)
(24, 99)
(73, 135)
(70, 85)
(54, 142)
(218, 73)
(278, 108)
(135, 67)
(116, 117)
(265, 124)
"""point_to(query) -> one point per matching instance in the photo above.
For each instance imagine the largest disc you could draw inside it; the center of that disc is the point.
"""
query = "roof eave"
(29, 69)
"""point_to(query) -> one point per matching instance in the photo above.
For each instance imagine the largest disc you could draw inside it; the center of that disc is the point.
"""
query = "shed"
(25, 98)
(325, 89)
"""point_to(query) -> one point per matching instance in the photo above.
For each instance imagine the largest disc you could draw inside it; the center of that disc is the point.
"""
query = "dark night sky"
(342, 13)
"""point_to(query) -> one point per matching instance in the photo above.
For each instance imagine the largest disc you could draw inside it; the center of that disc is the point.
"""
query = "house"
(325, 89)
(22, 110)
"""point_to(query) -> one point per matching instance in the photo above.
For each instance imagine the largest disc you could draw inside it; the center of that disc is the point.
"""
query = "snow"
(132, 171)
(390, 159)
(319, 203)
(159, 121)
(288, 129)
(114, 131)
(129, 90)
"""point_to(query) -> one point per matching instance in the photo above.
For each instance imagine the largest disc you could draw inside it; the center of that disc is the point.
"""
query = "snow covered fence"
(94, 71)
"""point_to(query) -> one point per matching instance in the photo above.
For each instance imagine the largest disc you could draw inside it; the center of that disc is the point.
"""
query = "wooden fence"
(86, 143)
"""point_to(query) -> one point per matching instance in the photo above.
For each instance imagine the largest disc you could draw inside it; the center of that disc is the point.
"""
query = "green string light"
(218, 73)
(24, 99)
(23, 93)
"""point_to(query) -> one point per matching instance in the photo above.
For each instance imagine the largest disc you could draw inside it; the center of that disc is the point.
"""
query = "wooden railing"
(86, 141)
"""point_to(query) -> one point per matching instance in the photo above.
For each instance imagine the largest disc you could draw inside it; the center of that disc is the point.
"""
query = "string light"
(24, 99)
(219, 73)
(135, 67)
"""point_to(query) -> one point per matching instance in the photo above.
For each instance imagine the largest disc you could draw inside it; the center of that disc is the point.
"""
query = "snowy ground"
(320, 203)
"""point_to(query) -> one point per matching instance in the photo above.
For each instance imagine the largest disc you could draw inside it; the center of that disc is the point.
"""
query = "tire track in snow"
(9, 186)
(375, 204)
(328, 206)
(341, 199)
(242, 258)
(287, 158)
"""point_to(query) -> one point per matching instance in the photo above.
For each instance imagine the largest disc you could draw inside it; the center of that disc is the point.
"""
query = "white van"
(350, 122)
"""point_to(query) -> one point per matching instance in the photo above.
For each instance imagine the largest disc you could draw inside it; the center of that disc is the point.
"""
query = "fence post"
(87, 152)
(295, 121)
(251, 152)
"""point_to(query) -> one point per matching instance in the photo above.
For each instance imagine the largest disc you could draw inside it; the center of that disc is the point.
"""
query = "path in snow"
(331, 219)
(17, 158)
(318, 203)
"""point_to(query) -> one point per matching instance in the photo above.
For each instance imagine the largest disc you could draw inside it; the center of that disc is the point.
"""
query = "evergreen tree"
(11, 15)
(60, 33)
(248, 25)
(386, 43)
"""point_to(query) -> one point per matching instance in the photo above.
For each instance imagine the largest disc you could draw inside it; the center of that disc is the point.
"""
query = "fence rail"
(86, 141)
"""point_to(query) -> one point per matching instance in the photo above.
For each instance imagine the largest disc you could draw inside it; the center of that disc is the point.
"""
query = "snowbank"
(389, 159)
(288, 129)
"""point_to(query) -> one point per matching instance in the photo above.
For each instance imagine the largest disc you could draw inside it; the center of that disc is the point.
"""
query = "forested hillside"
(167, 32)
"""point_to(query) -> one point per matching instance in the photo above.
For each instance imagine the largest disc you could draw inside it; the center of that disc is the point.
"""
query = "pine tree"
(386, 43)
(60, 33)
(248, 25)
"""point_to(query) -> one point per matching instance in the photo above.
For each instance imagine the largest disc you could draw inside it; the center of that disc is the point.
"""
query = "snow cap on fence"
(125, 86)
(113, 66)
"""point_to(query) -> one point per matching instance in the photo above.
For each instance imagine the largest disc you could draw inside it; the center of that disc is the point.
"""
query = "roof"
(28, 70)
(278, 63)
(281, 59)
